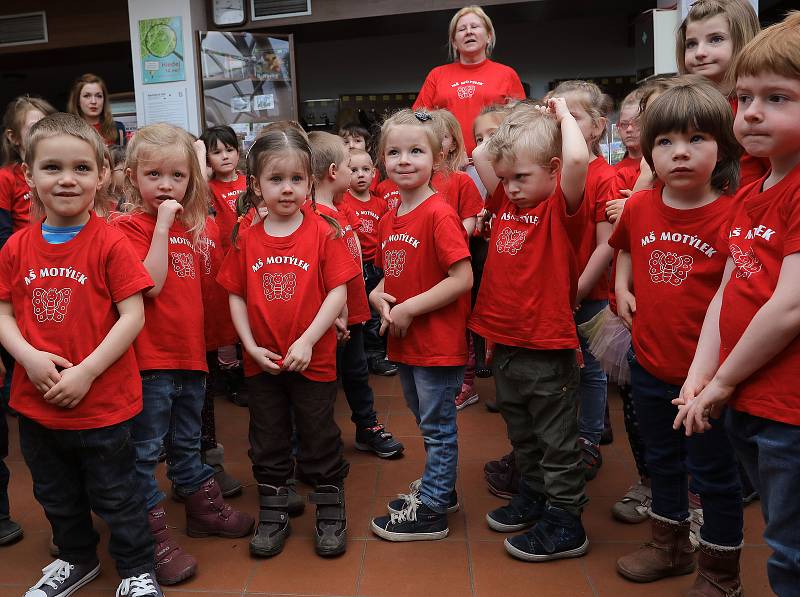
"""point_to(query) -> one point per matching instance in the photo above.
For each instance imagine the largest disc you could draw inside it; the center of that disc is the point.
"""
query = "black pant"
(5, 474)
(273, 399)
(374, 343)
(352, 362)
(77, 472)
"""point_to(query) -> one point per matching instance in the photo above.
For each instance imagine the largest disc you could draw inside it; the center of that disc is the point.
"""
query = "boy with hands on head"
(541, 158)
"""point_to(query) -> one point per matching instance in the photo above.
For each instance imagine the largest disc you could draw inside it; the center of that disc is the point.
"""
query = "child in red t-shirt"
(20, 115)
(748, 354)
(357, 137)
(226, 374)
(424, 302)
(332, 176)
(669, 265)
(286, 278)
(588, 105)
(539, 223)
(167, 197)
(369, 209)
(70, 307)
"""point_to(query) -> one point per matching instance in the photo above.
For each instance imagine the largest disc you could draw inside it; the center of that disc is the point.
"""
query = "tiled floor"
(471, 561)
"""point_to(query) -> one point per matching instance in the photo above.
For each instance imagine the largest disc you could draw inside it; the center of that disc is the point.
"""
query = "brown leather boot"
(207, 514)
(717, 572)
(172, 564)
(668, 554)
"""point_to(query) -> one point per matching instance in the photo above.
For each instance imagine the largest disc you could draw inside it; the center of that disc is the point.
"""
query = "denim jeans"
(354, 372)
(430, 394)
(77, 472)
(173, 402)
(593, 390)
(374, 343)
(708, 457)
(769, 451)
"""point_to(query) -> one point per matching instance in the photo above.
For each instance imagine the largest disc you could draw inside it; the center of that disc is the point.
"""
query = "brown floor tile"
(601, 525)
(415, 568)
(497, 574)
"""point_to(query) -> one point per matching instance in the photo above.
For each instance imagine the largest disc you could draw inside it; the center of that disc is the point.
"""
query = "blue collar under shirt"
(56, 235)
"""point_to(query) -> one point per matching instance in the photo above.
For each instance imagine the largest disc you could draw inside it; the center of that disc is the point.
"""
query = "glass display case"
(248, 80)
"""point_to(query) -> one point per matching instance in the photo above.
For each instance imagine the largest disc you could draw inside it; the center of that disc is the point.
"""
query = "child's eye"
(83, 168)
(178, 174)
(50, 168)
(697, 138)
(777, 99)
(690, 44)
(417, 150)
(391, 152)
(297, 179)
(717, 39)
(153, 173)
(743, 98)
(663, 141)
(275, 179)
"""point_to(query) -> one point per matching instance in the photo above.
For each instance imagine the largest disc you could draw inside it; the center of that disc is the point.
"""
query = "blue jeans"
(769, 451)
(77, 472)
(708, 457)
(593, 390)
(173, 402)
(430, 394)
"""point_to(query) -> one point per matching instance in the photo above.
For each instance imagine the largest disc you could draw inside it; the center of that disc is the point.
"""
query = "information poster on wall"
(161, 48)
(167, 106)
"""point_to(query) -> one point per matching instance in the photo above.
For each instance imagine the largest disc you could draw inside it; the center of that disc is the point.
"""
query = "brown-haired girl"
(286, 277)
(668, 269)
(166, 197)
(88, 99)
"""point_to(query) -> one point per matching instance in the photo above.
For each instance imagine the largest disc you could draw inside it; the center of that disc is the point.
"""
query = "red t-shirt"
(368, 213)
(764, 230)
(224, 196)
(459, 191)
(219, 330)
(678, 262)
(64, 302)
(465, 89)
(417, 250)
(173, 335)
(389, 192)
(357, 305)
(531, 276)
(598, 190)
(627, 162)
(15, 195)
(284, 281)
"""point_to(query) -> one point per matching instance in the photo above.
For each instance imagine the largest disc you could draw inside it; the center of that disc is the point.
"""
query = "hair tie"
(422, 116)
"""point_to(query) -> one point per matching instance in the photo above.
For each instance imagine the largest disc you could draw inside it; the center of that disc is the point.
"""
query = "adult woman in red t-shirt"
(471, 81)
(88, 99)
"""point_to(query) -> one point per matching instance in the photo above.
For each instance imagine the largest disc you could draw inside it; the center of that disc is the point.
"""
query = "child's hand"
(41, 369)
(74, 385)
(266, 359)
(614, 207)
(167, 212)
(557, 108)
(298, 356)
(709, 403)
(383, 302)
(342, 331)
(400, 320)
(693, 385)
(626, 307)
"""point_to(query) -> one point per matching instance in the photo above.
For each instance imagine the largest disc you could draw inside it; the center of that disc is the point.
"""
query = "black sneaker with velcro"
(331, 528)
(273, 521)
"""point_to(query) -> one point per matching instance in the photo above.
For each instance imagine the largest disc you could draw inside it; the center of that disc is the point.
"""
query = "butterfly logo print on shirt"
(393, 262)
(367, 226)
(465, 91)
(50, 304)
(352, 246)
(511, 241)
(392, 202)
(279, 287)
(183, 264)
(669, 268)
(205, 253)
(747, 263)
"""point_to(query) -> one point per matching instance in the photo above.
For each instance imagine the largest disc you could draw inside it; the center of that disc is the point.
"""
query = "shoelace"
(55, 574)
(409, 512)
(137, 586)
(413, 491)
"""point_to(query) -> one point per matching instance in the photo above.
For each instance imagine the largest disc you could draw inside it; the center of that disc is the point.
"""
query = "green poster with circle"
(161, 48)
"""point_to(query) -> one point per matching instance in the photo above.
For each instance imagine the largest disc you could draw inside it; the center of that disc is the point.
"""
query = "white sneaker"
(144, 585)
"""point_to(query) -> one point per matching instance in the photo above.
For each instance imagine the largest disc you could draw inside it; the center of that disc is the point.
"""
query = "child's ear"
(12, 138)
(255, 185)
(332, 171)
(554, 166)
(26, 171)
(129, 174)
(105, 174)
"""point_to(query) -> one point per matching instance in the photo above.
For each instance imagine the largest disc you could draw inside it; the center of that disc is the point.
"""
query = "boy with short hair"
(525, 307)
(369, 208)
(357, 136)
(748, 354)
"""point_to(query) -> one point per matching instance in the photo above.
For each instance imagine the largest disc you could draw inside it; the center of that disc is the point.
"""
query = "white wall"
(580, 47)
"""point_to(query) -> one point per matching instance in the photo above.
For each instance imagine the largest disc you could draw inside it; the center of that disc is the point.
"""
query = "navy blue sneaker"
(557, 535)
(416, 522)
(398, 504)
(376, 439)
(521, 512)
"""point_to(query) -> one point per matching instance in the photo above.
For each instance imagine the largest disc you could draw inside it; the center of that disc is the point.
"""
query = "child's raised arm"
(76, 381)
(484, 168)
(574, 154)
(774, 326)
(156, 260)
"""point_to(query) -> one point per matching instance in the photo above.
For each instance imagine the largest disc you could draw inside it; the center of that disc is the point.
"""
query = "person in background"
(88, 99)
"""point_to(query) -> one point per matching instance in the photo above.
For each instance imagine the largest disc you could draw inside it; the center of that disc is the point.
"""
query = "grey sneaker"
(634, 507)
(144, 585)
(62, 579)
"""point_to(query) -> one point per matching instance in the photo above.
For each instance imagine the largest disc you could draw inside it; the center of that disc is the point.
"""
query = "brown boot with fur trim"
(669, 553)
(717, 572)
